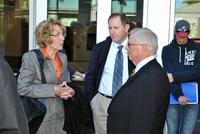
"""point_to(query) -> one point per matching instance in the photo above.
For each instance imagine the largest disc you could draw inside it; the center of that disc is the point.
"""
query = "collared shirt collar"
(124, 43)
(143, 62)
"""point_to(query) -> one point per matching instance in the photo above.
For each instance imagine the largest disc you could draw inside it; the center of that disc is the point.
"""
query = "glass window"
(14, 21)
(79, 17)
(132, 8)
(189, 10)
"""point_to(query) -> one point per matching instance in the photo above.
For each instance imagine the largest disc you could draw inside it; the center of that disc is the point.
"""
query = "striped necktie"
(118, 71)
(133, 72)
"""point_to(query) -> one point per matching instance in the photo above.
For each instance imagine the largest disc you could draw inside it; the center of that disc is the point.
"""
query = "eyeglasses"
(59, 34)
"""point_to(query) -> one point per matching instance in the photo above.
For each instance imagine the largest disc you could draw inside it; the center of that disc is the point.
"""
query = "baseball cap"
(182, 28)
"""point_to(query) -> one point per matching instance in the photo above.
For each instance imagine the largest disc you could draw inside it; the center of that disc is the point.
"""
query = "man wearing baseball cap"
(182, 31)
(181, 61)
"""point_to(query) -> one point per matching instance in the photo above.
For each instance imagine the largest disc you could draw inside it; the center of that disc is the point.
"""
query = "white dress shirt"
(105, 85)
(143, 62)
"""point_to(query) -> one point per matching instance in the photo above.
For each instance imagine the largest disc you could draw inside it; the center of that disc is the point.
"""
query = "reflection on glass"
(79, 17)
(189, 10)
(14, 21)
(124, 6)
(132, 8)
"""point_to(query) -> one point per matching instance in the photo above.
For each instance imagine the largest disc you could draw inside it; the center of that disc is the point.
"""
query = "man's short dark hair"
(123, 17)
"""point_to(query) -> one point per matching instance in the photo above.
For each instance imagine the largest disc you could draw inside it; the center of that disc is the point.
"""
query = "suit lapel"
(102, 56)
(104, 53)
(132, 78)
(131, 66)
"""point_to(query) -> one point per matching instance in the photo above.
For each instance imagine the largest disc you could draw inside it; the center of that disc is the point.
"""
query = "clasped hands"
(64, 91)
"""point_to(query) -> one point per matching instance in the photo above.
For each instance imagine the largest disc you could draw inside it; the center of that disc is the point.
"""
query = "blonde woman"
(50, 38)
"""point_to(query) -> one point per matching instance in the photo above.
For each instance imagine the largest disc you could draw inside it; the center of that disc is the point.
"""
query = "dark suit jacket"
(140, 106)
(12, 116)
(96, 66)
(78, 113)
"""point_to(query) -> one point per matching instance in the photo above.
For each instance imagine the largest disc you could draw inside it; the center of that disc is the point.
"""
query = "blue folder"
(190, 90)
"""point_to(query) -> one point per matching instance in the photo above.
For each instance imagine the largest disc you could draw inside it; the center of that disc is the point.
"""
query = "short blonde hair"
(45, 29)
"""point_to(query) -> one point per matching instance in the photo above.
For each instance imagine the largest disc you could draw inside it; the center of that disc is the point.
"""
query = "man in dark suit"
(100, 73)
(12, 116)
(140, 106)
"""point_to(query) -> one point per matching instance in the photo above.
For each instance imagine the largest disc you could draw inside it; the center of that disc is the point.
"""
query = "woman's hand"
(64, 91)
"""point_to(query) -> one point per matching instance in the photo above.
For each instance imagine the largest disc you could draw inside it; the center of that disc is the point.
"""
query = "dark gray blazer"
(12, 116)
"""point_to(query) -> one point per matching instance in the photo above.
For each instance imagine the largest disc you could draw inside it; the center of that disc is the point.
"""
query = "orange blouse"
(57, 65)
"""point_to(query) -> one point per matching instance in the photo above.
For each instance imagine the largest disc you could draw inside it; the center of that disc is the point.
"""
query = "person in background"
(12, 116)
(99, 83)
(50, 38)
(140, 106)
(181, 62)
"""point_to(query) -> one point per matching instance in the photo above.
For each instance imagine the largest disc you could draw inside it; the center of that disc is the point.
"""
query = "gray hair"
(146, 36)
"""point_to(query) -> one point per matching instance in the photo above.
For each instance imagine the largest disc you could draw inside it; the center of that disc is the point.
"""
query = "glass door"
(80, 18)
(14, 29)
(132, 8)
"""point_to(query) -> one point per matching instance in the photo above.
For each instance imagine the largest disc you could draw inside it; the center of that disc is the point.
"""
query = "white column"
(103, 12)
(37, 13)
(157, 17)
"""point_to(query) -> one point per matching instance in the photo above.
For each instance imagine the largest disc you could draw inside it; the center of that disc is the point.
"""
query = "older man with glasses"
(140, 106)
